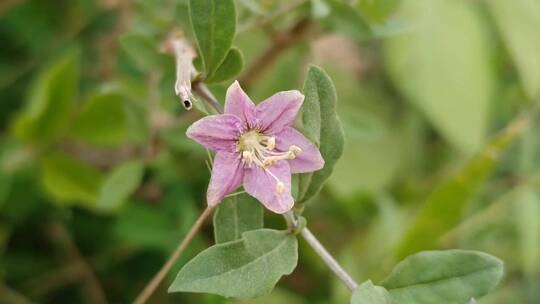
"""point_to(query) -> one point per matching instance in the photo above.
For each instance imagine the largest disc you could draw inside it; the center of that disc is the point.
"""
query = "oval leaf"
(246, 268)
(47, 113)
(214, 25)
(103, 120)
(346, 19)
(444, 68)
(143, 51)
(231, 66)
(445, 206)
(519, 21)
(236, 215)
(367, 293)
(451, 276)
(322, 126)
(69, 180)
(119, 185)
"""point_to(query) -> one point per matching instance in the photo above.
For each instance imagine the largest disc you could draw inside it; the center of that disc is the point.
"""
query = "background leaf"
(367, 293)
(103, 120)
(144, 52)
(527, 217)
(451, 276)
(119, 185)
(320, 99)
(69, 180)
(377, 11)
(236, 215)
(445, 206)
(214, 25)
(47, 112)
(443, 67)
(518, 21)
(346, 19)
(246, 268)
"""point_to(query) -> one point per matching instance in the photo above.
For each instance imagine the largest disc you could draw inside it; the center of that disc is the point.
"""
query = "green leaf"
(377, 11)
(119, 185)
(323, 127)
(143, 51)
(103, 120)
(444, 68)
(527, 219)
(214, 25)
(367, 293)
(450, 277)
(245, 268)
(159, 226)
(48, 110)
(444, 207)
(346, 19)
(69, 180)
(231, 66)
(236, 215)
(518, 21)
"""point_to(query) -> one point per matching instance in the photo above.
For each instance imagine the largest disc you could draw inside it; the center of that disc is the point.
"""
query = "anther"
(271, 143)
(247, 157)
(280, 187)
(295, 151)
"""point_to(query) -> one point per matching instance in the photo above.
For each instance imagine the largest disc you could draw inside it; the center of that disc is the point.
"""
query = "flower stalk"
(321, 251)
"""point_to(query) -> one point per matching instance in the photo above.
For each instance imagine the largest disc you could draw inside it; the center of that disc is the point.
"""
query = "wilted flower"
(256, 146)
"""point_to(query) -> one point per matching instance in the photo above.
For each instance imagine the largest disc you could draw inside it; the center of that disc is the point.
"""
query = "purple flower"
(256, 146)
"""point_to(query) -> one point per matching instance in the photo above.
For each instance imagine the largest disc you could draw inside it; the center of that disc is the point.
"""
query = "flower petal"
(261, 185)
(238, 103)
(279, 111)
(216, 132)
(308, 160)
(227, 174)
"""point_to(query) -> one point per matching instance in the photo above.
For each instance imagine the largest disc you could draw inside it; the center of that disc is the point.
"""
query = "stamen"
(271, 143)
(259, 149)
(280, 187)
(295, 150)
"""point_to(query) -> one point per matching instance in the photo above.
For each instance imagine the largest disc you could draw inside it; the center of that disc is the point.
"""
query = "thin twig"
(264, 21)
(327, 258)
(91, 286)
(154, 283)
(42, 285)
(281, 43)
(8, 295)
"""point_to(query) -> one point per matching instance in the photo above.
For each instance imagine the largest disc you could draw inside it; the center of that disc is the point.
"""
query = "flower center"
(259, 150)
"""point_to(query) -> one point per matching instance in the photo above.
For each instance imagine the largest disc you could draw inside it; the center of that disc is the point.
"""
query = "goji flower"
(256, 146)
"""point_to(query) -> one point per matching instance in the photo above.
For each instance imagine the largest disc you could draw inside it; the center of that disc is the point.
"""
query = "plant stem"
(154, 283)
(8, 295)
(327, 258)
(91, 285)
(264, 21)
(281, 43)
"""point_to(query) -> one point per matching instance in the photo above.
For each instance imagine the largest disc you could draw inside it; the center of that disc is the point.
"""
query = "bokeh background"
(98, 182)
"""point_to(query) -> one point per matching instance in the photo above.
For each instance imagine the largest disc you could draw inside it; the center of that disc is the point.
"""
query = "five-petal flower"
(256, 146)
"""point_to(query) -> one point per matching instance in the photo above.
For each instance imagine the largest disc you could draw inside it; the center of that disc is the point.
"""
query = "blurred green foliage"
(95, 164)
